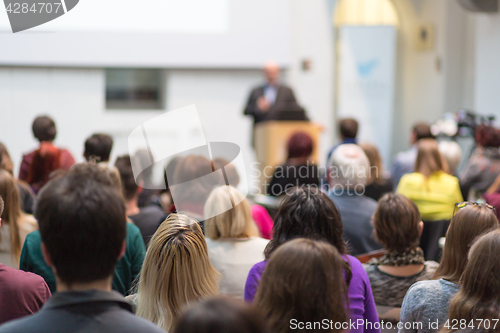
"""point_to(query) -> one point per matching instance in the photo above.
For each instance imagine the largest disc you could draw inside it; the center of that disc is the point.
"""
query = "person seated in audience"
(404, 162)
(233, 178)
(427, 301)
(98, 148)
(26, 195)
(435, 193)
(16, 225)
(232, 239)
(307, 212)
(452, 153)
(483, 166)
(37, 166)
(348, 130)
(21, 293)
(221, 314)
(298, 169)
(348, 172)
(128, 267)
(303, 282)
(176, 272)
(83, 226)
(478, 301)
(377, 184)
(398, 227)
(146, 218)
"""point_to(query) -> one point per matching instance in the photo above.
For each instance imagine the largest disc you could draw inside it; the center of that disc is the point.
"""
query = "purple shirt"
(361, 302)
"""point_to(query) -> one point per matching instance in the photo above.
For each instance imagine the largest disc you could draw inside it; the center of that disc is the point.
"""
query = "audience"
(298, 169)
(303, 283)
(377, 184)
(434, 192)
(348, 130)
(176, 272)
(37, 166)
(128, 267)
(478, 301)
(233, 178)
(427, 301)
(398, 227)
(232, 240)
(25, 292)
(404, 162)
(307, 212)
(82, 243)
(147, 218)
(452, 153)
(221, 315)
(98, 148)
(348, 173)
(16, 225)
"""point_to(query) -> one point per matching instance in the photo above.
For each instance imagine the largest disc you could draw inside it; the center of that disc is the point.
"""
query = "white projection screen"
(154, 33)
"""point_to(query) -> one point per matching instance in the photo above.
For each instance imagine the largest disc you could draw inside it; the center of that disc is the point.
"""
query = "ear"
(122, 251)
(46, 255)
(420, 228)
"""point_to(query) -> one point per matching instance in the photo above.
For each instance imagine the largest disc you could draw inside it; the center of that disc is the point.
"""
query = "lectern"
(271, 138)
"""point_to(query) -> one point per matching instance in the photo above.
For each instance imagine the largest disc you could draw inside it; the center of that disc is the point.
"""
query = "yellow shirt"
(435, 196)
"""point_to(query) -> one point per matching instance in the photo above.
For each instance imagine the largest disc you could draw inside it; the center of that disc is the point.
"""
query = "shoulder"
(356, 266)
(258, 241)
(33, 239)
(25, 280)
(369, 201)
(258, 268)
(424, 289)
(133, 231)
(28, 223)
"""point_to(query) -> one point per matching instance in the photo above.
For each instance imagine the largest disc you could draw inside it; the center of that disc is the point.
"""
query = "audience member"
(348, 130)
(232, 239)
(398, 227)
(233, 178)
(126, 270)
(427, 301)
(309, 213)
(37, 166)
(377, 184)
(176, 272)
(434, 192)
(147, 218)
(98, 148)
(404, 162)
(298, 169)
(452, 154)
(16, 225)
(26, 195)
(483, 166)
(303, 283)
(348, 172)
(21, 293)
(478, 301)
(83, 227)
(221, 315)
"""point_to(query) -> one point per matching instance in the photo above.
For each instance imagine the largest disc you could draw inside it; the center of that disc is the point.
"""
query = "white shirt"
(233, 258)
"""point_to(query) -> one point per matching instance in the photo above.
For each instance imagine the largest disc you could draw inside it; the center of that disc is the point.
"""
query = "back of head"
(487, 136)
(422, 131)
(303, 280)
(44, 129)
(129, 186)
(82, 224)
(306, 212)
(221, 315)
(452, 153)
(233, 178)
(348, 128)
(349, 167)
(98, 147)
(376, 171)
(396, 222)
(429, 159)
(176, 271)
(479, 296)
(5, 159)
(236, 222)
(466, 225)
(11, 210)
(299, 145)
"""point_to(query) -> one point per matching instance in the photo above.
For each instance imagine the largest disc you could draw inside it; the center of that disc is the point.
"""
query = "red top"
(22, 293)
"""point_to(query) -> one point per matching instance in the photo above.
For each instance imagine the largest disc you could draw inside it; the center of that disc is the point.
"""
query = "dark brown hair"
(230, 171)
(487, 136)
(304, 281)
(422, 131)
(11, 214)
(348, 128)
(98, 147)
(396, 221)
(300, 144)
(466, 225)
(129, 186)
(44, 128)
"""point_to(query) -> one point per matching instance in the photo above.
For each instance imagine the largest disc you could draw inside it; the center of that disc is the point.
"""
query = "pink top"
(263, 221)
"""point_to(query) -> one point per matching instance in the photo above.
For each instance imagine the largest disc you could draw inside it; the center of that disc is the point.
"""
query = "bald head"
(272, 72)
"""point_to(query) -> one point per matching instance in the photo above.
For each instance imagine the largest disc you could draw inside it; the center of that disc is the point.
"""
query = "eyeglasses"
(460, 205)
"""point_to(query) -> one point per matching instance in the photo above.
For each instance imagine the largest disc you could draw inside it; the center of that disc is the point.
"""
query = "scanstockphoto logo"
(192, 166)
(26, 14)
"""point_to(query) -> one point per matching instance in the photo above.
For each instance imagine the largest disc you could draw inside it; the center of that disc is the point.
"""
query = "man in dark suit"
(271, 97)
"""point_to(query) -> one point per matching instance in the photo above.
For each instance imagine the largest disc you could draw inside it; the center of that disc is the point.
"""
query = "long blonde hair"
(176, 271)
(237, 222)
(12, 211)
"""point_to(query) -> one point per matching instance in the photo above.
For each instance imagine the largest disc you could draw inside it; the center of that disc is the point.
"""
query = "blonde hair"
(176, 271)
(429, 159)
(12, 213)
(237, 222)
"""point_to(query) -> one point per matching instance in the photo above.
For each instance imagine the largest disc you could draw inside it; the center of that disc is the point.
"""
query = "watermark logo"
(26, 14)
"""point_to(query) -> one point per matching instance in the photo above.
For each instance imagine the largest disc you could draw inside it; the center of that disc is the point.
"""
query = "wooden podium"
(271, 138)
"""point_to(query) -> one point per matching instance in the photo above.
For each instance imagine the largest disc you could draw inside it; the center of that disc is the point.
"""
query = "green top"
(126, 270)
